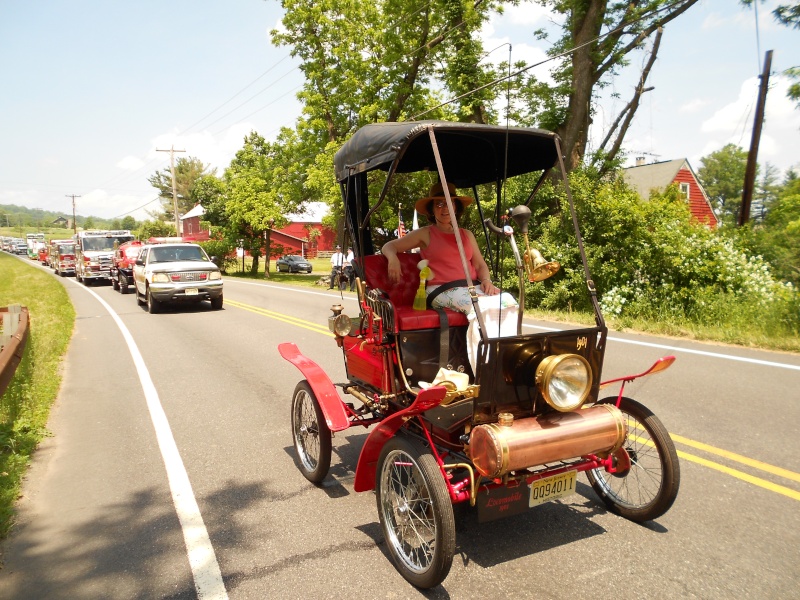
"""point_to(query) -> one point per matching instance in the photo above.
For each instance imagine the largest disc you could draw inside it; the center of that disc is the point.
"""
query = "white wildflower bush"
(649, 260)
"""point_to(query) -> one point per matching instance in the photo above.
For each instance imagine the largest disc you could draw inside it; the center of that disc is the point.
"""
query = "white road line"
(202, 559)
(754, 361)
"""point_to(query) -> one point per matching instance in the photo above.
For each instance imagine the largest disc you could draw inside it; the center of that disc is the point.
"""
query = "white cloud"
(694, 106)
(733, 123)
(130, 163)
(730, 117)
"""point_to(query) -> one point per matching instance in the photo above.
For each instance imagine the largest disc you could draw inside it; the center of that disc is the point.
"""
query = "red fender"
(368, 460)
(323, 388)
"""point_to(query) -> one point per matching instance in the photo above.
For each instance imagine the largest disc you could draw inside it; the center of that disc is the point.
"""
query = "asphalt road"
(111, 510)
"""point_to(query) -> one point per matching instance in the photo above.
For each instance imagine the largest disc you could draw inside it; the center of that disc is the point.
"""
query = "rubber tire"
(153, 305)
(123, 284)
(419, 464)
(310, 434)
(653, 461)
(115, 284)
(216, 303)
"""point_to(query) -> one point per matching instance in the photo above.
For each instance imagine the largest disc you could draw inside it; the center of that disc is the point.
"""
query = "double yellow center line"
(726, 454)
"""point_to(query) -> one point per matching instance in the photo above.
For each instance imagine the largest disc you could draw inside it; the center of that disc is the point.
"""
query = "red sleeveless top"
(442, 253)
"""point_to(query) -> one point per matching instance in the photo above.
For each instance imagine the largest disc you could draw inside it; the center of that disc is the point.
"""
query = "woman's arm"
(481, 268)
(418, 238)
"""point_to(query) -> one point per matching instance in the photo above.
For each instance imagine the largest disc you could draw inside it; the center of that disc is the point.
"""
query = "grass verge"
(25, 406)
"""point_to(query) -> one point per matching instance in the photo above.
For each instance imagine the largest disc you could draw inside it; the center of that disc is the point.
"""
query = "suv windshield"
(98, 244)
(171, 254)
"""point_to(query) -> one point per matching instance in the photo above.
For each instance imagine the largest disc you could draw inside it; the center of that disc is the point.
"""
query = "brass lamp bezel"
(544, 375)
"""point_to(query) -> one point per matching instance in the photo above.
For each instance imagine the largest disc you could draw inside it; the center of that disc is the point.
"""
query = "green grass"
(25, 406)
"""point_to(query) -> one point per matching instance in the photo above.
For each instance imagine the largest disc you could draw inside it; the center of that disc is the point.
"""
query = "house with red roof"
(645, 178)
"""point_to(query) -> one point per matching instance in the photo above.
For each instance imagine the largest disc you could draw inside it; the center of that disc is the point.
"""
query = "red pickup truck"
(122, 265)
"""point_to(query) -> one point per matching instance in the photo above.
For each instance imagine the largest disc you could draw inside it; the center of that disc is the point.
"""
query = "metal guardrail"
(14, 336)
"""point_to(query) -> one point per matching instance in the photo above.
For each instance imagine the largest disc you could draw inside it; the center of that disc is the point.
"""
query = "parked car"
(176, 273)
(293, 264)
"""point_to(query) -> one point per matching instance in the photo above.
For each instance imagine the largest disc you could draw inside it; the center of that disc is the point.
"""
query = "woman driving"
(437, 243)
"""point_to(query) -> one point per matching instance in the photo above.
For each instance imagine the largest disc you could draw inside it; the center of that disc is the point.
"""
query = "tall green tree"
(599, 36)
(187, 172)
(252, 198)
(722, 176)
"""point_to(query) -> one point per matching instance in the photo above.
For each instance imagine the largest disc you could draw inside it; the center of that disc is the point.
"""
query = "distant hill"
(12, 215)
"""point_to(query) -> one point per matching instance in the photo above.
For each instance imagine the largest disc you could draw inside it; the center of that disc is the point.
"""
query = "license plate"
(551, 488)
(191, 291)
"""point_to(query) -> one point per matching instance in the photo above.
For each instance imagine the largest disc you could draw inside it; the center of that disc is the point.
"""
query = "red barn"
(657, 176)
(305, 234)
(190, 226)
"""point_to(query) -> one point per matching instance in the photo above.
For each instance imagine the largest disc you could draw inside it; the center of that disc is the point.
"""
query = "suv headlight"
(214, 275)
(160, 278)
(564, 380)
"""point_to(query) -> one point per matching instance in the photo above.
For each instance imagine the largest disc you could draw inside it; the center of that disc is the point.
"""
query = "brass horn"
(536, 266)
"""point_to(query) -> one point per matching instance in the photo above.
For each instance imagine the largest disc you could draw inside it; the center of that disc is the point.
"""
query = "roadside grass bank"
(752, 327)
(25, 406)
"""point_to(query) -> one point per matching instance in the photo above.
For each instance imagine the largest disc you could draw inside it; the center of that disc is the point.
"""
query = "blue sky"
(91, 89)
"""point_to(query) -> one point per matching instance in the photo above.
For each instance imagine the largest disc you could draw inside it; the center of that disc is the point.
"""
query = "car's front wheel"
(415, 512)
(153, 305)
(312, 438)
(216, 303)
(649, 486)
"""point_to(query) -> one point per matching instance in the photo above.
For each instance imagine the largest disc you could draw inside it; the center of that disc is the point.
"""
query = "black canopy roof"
(471, 154)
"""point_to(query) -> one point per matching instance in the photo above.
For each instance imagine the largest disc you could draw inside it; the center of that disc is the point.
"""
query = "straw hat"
(437, 192)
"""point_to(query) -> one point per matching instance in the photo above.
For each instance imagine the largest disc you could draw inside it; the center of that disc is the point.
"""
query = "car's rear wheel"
(649, 487)
(312, 438)
(415, 512)
(153, 305)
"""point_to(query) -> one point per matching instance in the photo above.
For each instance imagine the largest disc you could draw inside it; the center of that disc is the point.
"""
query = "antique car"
(175, 273)
(505, 436)
(121, 271)
(293, 264)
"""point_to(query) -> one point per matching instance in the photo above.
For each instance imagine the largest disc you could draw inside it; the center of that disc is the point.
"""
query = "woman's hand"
(393, 268)
(489, 288)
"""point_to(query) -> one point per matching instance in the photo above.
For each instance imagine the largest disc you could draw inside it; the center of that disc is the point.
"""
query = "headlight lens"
(564, 380)
(160, 278)
(214, 275)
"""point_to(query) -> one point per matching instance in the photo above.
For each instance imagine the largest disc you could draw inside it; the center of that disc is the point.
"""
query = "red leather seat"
(402, 293)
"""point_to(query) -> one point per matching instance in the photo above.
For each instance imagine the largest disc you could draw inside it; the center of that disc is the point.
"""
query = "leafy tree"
(722, 176)
(599, 35)
(88, 223)
(252, 199)
(187, 172)
(128, 222)
(155, 228)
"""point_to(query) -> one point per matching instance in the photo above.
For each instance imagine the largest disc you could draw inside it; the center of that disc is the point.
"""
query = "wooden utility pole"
(74, 224)
(172, 152)
(752, 156)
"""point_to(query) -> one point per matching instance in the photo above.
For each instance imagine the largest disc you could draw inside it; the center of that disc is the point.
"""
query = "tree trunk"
(587, 19)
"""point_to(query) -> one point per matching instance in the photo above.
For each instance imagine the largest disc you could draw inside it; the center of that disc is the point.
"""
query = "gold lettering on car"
(582, 342)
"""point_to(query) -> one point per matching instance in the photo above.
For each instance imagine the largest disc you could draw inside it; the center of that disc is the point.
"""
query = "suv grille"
(190, 276)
